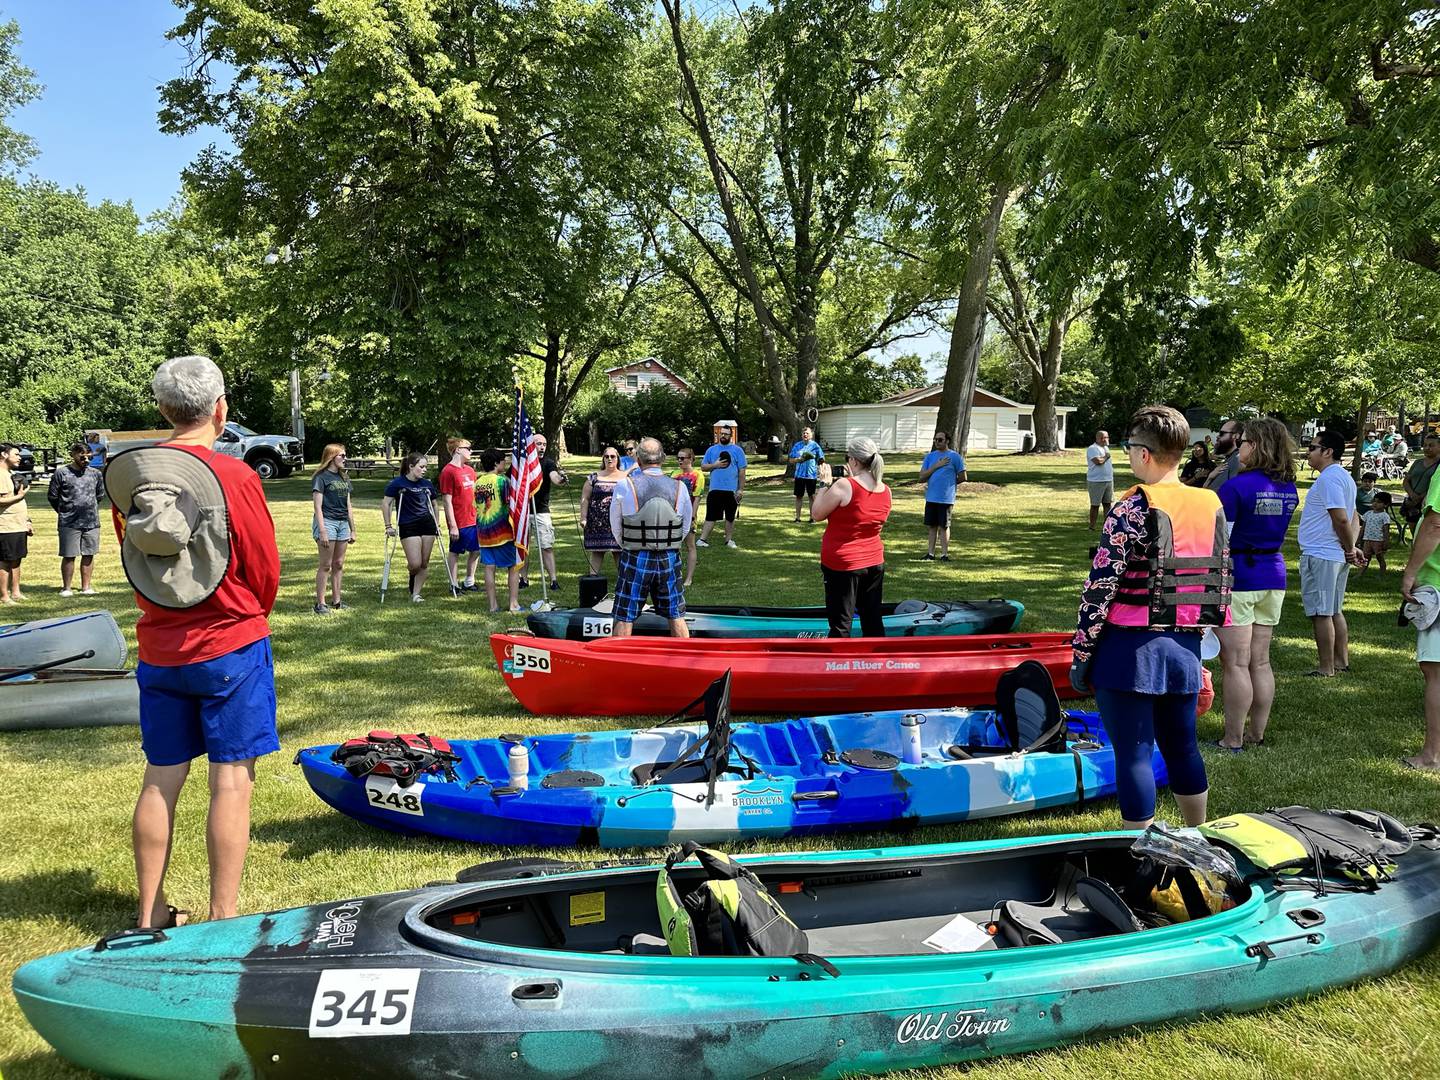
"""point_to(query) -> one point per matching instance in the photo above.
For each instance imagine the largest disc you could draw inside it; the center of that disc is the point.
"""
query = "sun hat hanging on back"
(176, 546)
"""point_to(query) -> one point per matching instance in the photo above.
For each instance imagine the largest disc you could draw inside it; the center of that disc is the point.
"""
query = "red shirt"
(235, 614)
(852, 532)
(458, 481)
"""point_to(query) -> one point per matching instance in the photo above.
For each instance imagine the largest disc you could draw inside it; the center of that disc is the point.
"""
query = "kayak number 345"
(363, 1001)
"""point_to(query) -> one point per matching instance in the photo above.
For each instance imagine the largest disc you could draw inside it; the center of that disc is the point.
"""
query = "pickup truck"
(269, 455)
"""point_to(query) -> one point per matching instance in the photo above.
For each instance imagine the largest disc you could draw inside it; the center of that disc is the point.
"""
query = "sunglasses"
(1129, 445)
(1250, 441)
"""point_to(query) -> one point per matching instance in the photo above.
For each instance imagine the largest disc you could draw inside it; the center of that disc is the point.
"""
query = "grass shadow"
(71, 896)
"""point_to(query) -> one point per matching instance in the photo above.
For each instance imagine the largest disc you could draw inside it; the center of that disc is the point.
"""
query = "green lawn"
(66, 797)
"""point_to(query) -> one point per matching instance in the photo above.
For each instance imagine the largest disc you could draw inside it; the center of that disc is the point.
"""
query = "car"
(270, 456)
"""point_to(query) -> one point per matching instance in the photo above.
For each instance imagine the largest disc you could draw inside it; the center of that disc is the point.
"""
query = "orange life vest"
(1183, 577)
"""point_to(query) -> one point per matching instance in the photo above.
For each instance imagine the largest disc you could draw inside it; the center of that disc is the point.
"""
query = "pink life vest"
(1183, 577)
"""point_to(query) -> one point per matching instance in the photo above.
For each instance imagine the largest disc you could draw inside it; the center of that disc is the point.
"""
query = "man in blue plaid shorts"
(650, 516)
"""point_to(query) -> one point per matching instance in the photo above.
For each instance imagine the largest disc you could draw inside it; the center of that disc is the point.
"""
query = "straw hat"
(176, 547)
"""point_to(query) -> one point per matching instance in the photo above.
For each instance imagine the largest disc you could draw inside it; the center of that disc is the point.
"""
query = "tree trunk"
(1047, 431)
(962, 367)
(551, 404)
(1360, 416)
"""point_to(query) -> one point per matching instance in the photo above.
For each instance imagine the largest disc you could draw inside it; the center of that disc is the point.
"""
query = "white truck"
(270, 456)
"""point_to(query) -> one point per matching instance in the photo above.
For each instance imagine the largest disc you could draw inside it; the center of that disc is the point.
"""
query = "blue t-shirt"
(940, 488)
(419, 496)
(628, 464)
(1260, 509)
(727, 479)
(810, 469)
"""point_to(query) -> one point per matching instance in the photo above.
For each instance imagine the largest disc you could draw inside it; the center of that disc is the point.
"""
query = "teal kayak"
(912, 959)
(908, 618)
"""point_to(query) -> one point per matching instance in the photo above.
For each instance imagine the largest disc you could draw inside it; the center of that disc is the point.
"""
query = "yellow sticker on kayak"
(587, 907)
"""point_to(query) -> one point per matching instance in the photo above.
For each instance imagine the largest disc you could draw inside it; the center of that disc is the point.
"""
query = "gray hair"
(649, 451)
(867, 454)
(186, 389)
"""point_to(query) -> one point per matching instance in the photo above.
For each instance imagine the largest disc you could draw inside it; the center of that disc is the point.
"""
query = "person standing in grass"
(544, 531)
(1162, 541)
(198, 545)
(418, 518)
(1099, 475)
(595, 499)
(1375, 531)
(457, 489)
(333, 526)
(493, 530)
(15, 526)
(806, 455)
(694, 481)
(650, 516)
(942, 470)
(1327, 551)
(74, 494)
(852, 555)
(725, 462)
(1423, 568)
(1259, 503)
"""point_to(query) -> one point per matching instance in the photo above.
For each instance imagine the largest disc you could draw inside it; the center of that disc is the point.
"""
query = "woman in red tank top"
(852, 555)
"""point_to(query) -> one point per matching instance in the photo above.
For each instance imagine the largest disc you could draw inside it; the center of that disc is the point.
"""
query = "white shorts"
(1322, 585)
(544, 531)
(1427, 644)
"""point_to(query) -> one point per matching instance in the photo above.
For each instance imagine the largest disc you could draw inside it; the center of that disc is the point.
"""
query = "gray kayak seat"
(910, 607)
(1082, 907)
(1031, 720)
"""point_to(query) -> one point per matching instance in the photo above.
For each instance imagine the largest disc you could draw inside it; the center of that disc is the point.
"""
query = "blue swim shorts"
(504, 555)
(224, 708)
(468, 540)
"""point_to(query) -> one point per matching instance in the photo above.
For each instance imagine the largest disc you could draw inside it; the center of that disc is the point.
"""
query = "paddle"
(21, 672)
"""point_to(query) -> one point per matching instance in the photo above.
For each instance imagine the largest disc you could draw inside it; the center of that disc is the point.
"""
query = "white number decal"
(597, 627)
(368, 1001)
(527, 660)
(387, 794)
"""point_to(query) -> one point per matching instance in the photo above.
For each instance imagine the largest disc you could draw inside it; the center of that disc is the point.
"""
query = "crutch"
(391, 542)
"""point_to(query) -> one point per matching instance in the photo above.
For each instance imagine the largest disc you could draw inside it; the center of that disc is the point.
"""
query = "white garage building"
(907, 421)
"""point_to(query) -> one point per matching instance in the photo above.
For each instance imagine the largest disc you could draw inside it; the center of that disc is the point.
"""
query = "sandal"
(1228, 749)
(1319, 674)
(175, 917)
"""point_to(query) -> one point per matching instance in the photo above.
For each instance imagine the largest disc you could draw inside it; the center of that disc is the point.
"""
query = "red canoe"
(647, 676)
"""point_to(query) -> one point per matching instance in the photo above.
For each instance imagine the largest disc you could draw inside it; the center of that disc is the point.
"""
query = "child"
(1375, 529)
(1365, 491)
(695, 481)
(494, 532)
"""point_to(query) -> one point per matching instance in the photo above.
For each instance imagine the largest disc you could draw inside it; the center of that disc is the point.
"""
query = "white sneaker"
(67, 592)
(702, 543)
(417, 599)
(731, 543)
(87, 592)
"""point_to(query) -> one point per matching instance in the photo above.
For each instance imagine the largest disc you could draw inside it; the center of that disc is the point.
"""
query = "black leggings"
(852, 592)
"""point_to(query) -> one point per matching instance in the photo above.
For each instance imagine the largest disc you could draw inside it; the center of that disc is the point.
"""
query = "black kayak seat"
(910, 607)
(1082, 907)
(1031, 719)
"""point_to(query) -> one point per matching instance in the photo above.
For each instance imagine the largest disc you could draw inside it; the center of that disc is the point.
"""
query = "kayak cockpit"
(1011, 897)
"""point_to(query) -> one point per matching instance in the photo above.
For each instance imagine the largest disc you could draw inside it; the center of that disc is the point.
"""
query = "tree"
(799, 180)
(405, 159)
(17, 87)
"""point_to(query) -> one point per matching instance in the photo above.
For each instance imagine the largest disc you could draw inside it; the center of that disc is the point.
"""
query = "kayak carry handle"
(1009, 645)
(814, 796)
(18, 673)
(548, 990)
(1264, 949)
(129, 939)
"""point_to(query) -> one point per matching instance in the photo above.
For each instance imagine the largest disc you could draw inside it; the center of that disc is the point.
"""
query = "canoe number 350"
(363, 1001)
(933, 1027)
(524, 659)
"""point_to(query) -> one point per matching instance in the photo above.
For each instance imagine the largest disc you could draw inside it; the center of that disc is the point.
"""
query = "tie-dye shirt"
(492, 510)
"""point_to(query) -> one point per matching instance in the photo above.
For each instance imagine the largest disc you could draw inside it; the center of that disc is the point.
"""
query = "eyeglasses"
(1250, 441)
(1126, 444)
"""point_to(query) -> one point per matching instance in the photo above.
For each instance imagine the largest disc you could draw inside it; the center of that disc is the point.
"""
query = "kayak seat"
(1031, 720)
(1081, 907)
(909, 607)
(572, 778)
(644, 945)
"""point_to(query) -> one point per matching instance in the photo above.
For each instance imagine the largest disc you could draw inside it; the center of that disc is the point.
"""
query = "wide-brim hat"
(176, 546)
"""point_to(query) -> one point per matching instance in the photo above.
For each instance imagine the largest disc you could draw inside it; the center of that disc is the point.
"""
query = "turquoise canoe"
(558, 976)
(908, 618)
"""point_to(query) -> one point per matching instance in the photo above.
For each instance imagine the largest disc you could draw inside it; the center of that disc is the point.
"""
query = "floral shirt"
(1124, 535)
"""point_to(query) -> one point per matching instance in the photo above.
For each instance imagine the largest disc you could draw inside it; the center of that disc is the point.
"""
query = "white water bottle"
(518, 763)
(910, 737)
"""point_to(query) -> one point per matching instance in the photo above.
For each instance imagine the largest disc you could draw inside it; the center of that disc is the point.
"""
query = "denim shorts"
(334, 530)
(224, 707)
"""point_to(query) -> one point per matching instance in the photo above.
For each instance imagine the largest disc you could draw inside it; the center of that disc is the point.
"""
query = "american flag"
(525, 475)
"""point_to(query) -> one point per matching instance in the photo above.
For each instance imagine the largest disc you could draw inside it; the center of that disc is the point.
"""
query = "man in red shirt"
(457, 488)
(198, 545)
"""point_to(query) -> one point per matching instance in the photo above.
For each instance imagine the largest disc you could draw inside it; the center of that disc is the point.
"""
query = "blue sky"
(101, 62)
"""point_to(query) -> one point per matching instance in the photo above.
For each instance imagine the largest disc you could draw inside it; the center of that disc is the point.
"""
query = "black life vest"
(404, 757)
(1360, 844)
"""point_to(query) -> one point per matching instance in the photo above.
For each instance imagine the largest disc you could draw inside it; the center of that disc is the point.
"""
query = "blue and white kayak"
(789, 778)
